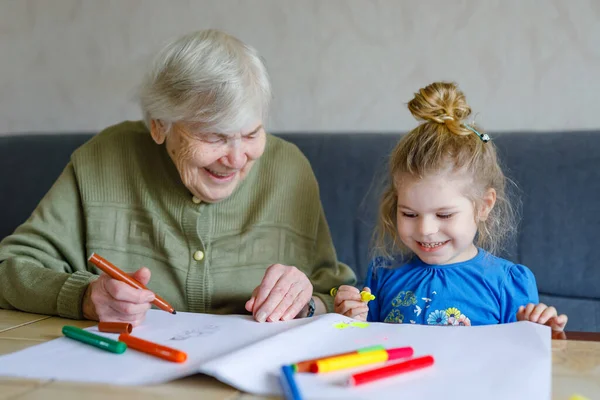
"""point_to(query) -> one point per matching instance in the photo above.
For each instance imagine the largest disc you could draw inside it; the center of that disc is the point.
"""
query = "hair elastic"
(483, 136)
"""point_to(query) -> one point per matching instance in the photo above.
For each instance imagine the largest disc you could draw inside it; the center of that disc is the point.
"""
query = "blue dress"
(484, 290)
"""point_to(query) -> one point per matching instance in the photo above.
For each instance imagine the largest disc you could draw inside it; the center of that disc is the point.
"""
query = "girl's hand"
(542, 314)
(349, 303)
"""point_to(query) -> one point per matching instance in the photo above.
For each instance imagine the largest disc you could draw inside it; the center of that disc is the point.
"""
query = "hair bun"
(442, 103)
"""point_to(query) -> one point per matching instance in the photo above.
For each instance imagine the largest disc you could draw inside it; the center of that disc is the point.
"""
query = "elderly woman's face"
(212, 165)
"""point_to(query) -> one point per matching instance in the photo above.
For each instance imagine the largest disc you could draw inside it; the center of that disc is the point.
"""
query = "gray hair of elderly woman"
(208, 79)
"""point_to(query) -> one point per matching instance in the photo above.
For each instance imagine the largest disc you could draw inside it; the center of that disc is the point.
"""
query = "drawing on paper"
(192, 333)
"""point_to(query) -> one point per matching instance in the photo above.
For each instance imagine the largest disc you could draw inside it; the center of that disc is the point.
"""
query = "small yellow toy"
(364, 296)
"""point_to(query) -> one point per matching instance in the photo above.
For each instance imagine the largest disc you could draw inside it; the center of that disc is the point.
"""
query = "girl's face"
(436, 220)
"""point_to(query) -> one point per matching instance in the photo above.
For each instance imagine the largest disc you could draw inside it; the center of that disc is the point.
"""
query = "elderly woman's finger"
(126, 308)
(250, 303)
(276, 296)
(123, 292)
(297, 306)
(288, 300)
(115, 315)
(272, 276)
(142, 275)
(292, 277)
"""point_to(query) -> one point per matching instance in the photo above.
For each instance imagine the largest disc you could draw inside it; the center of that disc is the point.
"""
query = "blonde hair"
(439, 142)
(209, 79)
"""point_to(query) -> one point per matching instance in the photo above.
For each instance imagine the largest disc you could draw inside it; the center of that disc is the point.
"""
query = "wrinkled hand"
(542, 314)
(282, 294)
(349, 303)
(107, 299)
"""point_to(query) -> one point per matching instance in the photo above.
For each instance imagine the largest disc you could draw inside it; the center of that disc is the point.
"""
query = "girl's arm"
(521, 301)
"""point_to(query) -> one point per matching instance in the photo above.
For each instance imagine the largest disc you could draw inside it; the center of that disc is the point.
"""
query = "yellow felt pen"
(344, 361)
(364, 296)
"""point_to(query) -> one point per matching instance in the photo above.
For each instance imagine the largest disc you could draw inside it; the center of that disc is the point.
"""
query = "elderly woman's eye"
(212, 138)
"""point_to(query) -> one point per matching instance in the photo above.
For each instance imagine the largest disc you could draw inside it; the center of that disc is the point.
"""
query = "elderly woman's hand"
(108, 299)
(282, 294)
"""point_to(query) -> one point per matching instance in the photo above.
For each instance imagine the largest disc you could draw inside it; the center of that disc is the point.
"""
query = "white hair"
(207, 78)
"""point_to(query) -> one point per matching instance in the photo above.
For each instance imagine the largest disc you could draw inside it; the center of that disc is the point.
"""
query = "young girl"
(446, 203)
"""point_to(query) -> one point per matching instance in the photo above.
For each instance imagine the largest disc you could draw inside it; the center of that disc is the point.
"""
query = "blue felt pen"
(288, 383)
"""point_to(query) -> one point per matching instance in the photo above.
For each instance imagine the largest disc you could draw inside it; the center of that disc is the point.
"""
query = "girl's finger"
(546, 315)
(537, 311)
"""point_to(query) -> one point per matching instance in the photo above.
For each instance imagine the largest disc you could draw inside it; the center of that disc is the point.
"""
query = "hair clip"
(483, 136)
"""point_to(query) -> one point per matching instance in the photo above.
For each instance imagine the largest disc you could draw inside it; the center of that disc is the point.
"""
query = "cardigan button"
(199, 255)
(196, 200)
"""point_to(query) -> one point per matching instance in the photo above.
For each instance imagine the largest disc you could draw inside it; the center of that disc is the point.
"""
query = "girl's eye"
(445, 216)
(409, 215)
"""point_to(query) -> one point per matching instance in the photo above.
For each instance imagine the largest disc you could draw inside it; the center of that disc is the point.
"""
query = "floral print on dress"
(451, 316)
(407, 301)
(395, 316)
(437, 317)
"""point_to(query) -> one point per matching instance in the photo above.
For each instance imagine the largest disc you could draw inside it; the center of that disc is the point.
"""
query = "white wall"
(336, 65)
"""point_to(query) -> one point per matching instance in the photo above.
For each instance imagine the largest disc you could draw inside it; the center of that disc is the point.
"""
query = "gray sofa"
(558, 174)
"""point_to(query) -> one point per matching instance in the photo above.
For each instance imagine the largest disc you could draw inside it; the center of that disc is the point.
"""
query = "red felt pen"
(390, 370)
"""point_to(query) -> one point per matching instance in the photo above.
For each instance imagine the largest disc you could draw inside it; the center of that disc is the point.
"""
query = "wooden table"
(576, 368)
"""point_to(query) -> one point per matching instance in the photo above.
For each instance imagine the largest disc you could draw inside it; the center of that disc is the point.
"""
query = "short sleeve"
(520, 288)
(372, 283)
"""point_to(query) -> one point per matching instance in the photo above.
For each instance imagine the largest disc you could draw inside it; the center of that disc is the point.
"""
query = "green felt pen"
(94, 340)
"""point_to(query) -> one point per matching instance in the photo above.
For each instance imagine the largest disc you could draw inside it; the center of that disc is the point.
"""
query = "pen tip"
(174, 312)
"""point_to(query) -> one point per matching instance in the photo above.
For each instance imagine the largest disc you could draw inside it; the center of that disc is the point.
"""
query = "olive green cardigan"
(121, 197)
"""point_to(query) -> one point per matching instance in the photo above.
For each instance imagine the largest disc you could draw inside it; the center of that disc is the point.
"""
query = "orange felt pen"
(115, 327)
(154, 349)
(111, 270)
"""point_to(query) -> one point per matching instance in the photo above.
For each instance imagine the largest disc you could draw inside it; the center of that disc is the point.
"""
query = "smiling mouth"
(431, 246)
(220, 175)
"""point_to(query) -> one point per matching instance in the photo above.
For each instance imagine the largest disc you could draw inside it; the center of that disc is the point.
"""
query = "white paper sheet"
(511, 361)
(201, 336)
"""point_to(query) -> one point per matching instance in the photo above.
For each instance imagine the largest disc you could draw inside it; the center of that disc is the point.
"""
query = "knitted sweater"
(121, 197)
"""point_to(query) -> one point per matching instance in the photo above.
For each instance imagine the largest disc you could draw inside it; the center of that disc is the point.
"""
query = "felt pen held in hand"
(114, 272)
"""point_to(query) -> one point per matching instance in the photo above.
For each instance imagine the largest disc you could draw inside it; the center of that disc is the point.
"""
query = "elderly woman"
(222, 216)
